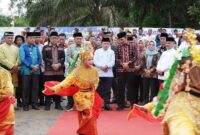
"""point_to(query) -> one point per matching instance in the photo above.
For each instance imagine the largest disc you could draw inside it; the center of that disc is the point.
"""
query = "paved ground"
(35, 122)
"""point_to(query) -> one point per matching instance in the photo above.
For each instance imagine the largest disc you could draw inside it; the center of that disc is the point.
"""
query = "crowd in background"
(131, 64)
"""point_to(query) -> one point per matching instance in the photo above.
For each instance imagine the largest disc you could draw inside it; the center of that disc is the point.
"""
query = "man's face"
(169, 44)
(54, 40)
(30, 40)
(37, 39)
(78, 40)
(9, 40)
(105, 45)
(140, 31)
(62, 40)
(122, 40)
(134, 32)
(162, 40)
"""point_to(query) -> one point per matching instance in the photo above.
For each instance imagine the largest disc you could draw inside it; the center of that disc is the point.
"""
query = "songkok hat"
(130, 38)
(54, 34)
(77, 34)
(170, 39)
(164, 35)
(8, 34)
(121, 34)
(105, 39)
(30, 34)
(37, 34)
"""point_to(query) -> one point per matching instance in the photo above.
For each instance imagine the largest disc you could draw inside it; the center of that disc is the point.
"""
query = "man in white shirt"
(166, 60)
(104, 60)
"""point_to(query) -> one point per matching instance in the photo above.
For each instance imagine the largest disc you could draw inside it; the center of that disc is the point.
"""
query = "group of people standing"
(130, 67)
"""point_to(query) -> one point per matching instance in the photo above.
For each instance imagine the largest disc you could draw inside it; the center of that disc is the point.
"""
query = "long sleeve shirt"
(30, 57)
(124, 54)
(72, 51)
(66, 63)
(104, 58)
(9, 56)
(165, 62)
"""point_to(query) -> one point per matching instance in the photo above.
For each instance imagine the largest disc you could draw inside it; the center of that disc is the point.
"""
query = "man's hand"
(125, 66)
(159, 72)
(147, 72)
(35, 68)
(137, 68)
(14, 69)
(55, 67)
(104, 68)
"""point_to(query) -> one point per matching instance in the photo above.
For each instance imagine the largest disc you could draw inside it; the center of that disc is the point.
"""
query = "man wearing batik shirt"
(125, 56)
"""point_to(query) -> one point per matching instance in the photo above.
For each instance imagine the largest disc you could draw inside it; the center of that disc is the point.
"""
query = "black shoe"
(119, 108)
(113, 102)
(126, 106)
(107, 107)
(41, 103)
(19, 104)
(16, 108)
(35, 107)
(59, 107)
(26, 108)
(47, 108)
(69, 107)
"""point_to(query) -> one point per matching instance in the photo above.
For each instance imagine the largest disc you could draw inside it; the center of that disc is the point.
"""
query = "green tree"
(4, 21)
(151, 13)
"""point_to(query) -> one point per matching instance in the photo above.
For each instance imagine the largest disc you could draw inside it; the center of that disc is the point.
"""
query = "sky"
(4, 7)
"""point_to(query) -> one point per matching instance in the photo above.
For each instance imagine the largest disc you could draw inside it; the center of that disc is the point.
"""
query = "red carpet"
(109, 123)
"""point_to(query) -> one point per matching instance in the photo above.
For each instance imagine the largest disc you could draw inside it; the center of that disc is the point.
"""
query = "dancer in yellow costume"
(85, 78)
(182, 108)
(183, 112)
(6, 108)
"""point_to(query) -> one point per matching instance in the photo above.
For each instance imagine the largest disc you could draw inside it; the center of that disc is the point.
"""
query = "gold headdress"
(86, 51)
(193, 48)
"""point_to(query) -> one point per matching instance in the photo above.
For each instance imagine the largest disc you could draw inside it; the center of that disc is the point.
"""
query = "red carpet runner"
(109, 123)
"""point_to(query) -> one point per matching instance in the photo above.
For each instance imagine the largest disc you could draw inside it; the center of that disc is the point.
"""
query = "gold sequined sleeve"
(69, 81)
(97, 81)
(5, 86)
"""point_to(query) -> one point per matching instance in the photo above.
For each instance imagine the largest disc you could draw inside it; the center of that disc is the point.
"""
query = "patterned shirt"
(123, 54)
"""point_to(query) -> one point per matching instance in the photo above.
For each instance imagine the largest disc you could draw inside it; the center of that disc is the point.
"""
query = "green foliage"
(4, 21)
(151, 13)
(21, 22)
(194, 12)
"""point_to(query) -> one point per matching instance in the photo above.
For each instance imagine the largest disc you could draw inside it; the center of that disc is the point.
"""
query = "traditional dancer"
(179, 99)
(85, 78)
(7, 118)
